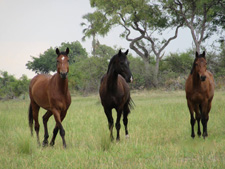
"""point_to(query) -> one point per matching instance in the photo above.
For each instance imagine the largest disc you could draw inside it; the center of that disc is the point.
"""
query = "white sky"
(30, 27)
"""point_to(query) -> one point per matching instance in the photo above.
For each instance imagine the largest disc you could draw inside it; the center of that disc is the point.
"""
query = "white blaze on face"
(63, 58)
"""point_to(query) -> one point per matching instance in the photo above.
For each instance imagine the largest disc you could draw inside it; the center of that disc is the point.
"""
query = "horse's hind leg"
(108, 113)
(191, 110)
(45, 120)
(125, 119)
(35, 110)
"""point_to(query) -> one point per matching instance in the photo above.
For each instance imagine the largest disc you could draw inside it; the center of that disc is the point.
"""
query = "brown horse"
(114, 91)
(199, 89)
(52, 94)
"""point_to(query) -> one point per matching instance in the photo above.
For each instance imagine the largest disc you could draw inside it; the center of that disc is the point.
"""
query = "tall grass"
(159, 128)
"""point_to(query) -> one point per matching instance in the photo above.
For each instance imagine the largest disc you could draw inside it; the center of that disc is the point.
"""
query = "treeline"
(11, 88)
(86, 71)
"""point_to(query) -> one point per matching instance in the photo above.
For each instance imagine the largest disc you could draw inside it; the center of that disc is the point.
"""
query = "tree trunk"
(94, 45)
(156, 72)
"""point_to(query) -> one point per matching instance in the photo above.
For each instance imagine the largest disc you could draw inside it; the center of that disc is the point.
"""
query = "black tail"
(131, 103)
(30, 118)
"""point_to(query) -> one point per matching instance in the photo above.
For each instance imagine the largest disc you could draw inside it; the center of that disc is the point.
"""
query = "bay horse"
(52, 94)
(199, 89)
(115, 93)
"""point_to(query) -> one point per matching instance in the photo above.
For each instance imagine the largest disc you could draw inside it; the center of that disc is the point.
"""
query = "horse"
(115, 93)
(52, 94)
(199, 89)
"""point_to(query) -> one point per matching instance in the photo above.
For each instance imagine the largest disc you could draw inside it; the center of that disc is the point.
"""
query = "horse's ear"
(57, 51)
(67, 51)
(196, 54)
(203, 54)
(127, 52)
(119, 52)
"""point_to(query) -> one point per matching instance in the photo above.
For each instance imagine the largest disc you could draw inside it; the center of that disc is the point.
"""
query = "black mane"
(111, 62)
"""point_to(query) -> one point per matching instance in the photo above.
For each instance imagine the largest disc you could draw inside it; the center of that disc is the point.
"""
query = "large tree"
(202, 17)
(143, 22)
(92, 26)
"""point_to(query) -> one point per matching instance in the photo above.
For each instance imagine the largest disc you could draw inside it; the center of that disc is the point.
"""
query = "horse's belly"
(39, 94)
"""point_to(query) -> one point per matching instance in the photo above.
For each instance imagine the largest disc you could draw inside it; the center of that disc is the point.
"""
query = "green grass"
(159, 128)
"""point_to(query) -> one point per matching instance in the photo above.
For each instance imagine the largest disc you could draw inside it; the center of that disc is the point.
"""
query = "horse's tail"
(131, 103)
(30, 118)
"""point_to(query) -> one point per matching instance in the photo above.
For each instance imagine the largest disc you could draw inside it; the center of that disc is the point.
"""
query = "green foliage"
(10, 87)
(46, 62)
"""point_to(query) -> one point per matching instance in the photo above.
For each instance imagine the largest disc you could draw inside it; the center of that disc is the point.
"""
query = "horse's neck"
(61, 84)
(112, 81)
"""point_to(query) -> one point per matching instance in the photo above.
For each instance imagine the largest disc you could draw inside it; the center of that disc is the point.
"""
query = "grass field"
(159, 128)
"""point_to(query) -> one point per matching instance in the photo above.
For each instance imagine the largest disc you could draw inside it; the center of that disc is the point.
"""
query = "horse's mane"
(193, 66)
(111, 62)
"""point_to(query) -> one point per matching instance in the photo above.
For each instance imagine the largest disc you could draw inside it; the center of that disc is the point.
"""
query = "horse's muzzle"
(63, 75)
(203, 78)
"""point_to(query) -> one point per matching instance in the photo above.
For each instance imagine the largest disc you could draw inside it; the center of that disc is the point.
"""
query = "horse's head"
(63, 63)
(200, 65)
(120, 64)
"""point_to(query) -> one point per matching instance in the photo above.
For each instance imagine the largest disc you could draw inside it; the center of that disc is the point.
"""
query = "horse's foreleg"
(108, 113)
(192, 121)
(119, 113)
(55, 132)
(45, 120)
(198, 111)
(205, 117)
(58, 127)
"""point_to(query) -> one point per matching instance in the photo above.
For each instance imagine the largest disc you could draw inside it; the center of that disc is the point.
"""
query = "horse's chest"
(198, 96)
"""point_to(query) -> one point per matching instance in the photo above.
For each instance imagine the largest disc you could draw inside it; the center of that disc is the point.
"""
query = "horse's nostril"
(63, 75)
(203, 78)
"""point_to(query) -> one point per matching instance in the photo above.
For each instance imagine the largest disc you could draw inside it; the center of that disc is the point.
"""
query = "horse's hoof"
(52, 144)
(45, 144)
(127, 136)
(193, 136)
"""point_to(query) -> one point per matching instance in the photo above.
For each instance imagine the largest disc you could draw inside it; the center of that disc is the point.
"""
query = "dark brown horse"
(114, 91)
(199, 89)
(52, 94)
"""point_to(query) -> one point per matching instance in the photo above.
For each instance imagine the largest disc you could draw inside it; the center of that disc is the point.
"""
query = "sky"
(30, 27)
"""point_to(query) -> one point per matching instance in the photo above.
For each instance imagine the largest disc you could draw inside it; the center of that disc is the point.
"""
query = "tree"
(146, 18)
(10, 87)
(92, 27)
(202, 17)
(46, 62)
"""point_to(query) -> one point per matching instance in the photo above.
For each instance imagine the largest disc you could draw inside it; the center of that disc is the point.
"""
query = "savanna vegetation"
(159, 129)
(159, 124)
